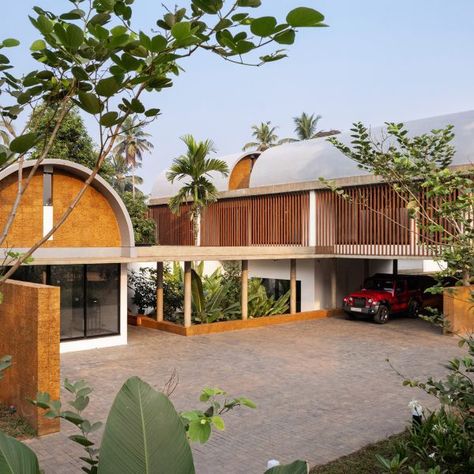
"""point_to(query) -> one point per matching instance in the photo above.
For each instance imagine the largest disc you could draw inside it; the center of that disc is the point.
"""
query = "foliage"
(196, 168)
(306, 126)
(122, 178)
(92, 56)
(260, 304)
(439, 198)
(232, 272)
(143, 432)
(199, 423)
(265, 137)
(72, 142)
(132, 143)
(215, 297)
(143, 227)
(143, 283)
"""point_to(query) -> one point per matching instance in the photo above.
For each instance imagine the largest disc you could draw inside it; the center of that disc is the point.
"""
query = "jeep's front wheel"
(382, 315)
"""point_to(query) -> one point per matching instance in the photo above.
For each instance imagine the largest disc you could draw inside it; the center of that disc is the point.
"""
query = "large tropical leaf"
(16, 458)
(197, 292)
(144, 434)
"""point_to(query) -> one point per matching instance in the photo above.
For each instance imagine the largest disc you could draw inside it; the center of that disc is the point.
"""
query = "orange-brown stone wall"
(91, 224)
(29, 332)
(458, 307)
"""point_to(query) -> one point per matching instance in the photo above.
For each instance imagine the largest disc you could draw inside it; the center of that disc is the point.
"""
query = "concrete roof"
(307, 161)
(163, 188)
(311, 159)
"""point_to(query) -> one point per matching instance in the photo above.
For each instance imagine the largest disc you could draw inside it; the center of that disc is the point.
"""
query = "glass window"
(70, 278)
(278, 288)
(31, 273)
(48, 186)
(102, 290)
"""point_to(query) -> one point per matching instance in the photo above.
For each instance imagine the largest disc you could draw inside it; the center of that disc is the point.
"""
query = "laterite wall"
(458, 307)
(91, 224)
(29, 332)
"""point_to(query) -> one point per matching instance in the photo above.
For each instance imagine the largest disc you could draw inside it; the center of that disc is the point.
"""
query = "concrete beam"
(187, 294)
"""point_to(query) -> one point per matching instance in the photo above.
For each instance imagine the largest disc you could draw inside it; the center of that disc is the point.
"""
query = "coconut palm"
(265, 137)
(305, 128)
(122, 178)
(132, 143)
(195, 168)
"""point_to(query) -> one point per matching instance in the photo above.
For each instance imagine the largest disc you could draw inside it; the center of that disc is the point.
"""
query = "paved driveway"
(323, 388)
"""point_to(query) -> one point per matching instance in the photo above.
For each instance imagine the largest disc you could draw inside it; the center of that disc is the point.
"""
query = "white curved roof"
(163, 188)
(312, 159)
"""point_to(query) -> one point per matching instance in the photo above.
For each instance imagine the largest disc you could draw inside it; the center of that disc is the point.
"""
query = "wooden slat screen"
(172, 229)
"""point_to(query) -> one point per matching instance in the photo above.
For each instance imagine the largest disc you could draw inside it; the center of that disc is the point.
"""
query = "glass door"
(70, 278)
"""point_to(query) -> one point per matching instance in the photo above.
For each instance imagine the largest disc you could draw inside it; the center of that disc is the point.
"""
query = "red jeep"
(383, 295)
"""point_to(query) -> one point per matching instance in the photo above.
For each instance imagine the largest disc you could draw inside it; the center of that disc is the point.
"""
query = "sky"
(378, 61)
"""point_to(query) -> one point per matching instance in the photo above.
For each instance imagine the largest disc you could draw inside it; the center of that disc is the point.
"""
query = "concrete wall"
(29, 332)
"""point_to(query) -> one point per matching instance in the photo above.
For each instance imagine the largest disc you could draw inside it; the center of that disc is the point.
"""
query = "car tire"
(414, 309)
(382, 315)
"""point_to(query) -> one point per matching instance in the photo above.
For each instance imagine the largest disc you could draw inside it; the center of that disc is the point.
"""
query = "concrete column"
(245, 289)
(333, 283)
(159, 291)
(312, 219)
(395, 267)
(187, 294)
(293, 286)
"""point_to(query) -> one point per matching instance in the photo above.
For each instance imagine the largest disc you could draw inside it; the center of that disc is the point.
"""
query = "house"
(274, 203)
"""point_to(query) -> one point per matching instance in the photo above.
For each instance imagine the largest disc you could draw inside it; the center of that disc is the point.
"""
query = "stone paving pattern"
(323, 388)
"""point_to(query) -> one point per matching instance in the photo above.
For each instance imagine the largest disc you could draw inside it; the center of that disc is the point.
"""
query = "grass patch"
(364, 460)
(13, 425)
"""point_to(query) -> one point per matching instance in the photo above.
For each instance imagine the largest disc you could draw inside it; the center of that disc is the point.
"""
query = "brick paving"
(323, 388)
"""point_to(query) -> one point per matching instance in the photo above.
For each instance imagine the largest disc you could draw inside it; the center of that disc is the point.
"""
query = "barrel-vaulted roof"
(311, 159)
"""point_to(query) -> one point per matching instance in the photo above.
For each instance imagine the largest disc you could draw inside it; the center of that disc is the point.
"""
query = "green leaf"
(44, 24)
(90, 102)
(79, 73)
(108, 87)
(109, 119)
(23, 143)
(82, 440)
(137, 106)
(264, 26)
(218, 422)
(10, 42)
(296, 467)
(144, 434)
(181, 31)
(152, 112)
(249, 3)
(158, 43)
(38, 45)
(209, 6)
(75, 36)
(4, 59)
(304, 16)
(16, 457)
(285, 37)
(199, 430)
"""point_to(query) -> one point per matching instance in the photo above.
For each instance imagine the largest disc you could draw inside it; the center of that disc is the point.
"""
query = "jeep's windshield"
(380, 284)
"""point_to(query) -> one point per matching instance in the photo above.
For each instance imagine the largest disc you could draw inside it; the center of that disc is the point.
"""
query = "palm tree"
(132, 143)
(265, 137)
(122, 178)
(195, 169)
(306, 125)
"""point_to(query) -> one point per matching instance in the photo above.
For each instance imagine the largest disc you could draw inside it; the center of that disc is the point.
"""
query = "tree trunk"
(133, 183)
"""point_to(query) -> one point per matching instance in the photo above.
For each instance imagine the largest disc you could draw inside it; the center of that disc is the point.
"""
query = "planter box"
(458, 307)
(224, 326)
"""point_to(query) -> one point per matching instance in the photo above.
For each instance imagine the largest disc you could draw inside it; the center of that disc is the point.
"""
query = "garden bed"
(13, 425)
(225, 326)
